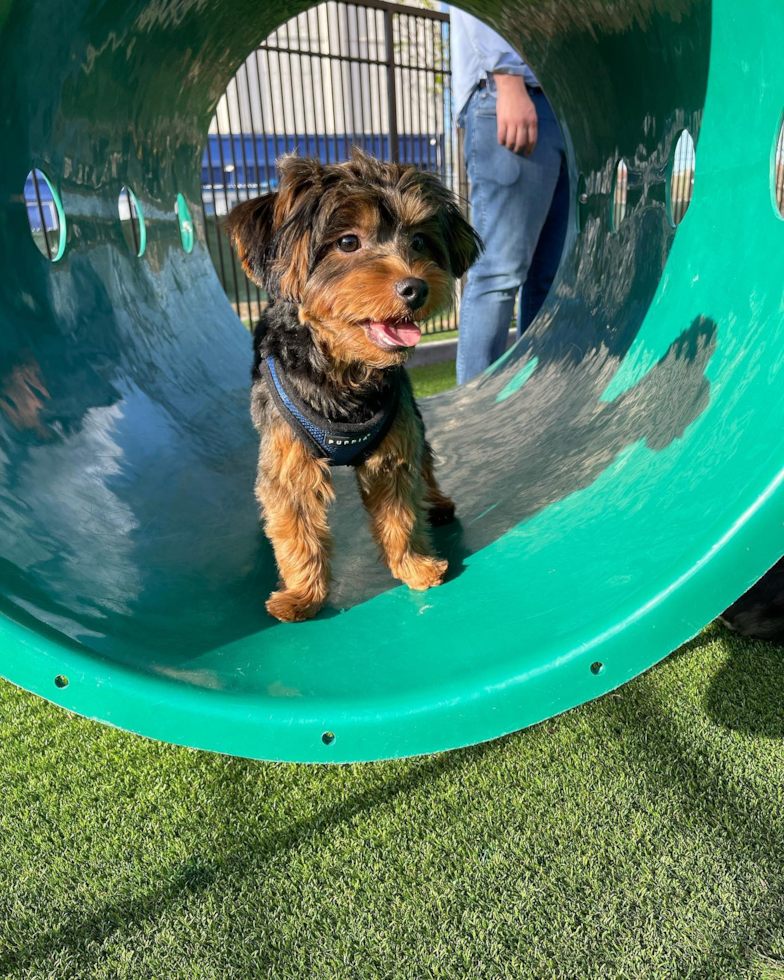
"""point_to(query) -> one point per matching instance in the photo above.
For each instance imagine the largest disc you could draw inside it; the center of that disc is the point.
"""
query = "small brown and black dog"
(353, 256)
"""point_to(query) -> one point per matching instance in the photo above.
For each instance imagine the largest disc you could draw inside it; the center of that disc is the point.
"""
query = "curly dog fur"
(353, 256)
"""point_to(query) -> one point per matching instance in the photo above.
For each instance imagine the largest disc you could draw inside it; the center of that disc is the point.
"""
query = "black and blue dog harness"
(340, 443)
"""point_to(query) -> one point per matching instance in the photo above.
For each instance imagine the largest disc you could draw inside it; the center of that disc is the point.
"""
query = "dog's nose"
(413, 292)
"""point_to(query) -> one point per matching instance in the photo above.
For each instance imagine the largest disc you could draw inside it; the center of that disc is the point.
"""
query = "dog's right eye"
(348, 243)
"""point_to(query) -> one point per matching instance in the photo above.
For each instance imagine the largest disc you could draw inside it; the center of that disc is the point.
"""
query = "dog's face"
(367, 250)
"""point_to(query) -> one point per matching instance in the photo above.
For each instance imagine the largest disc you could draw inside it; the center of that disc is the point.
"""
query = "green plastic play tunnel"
(618, 476)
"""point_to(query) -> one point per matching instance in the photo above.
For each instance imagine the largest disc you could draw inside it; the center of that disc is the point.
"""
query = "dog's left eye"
(418, 243)
(348, 243)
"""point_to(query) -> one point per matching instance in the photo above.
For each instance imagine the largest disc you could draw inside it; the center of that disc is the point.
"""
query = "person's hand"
(518, 124)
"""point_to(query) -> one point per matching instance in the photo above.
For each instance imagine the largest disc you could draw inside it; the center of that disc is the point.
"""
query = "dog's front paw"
(422, 573)
(292, 607)
(441, 513)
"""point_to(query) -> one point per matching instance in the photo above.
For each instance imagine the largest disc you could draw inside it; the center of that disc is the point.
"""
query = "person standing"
(516, 163)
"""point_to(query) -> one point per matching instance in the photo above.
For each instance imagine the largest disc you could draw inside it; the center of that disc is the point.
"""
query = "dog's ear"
(272, 233)
(250, 227)
(298, 199)
(463, 244)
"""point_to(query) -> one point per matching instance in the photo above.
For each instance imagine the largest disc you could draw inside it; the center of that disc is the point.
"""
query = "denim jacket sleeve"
(493, 53)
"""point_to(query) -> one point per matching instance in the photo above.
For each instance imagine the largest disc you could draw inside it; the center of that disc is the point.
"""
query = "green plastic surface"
(618, 477)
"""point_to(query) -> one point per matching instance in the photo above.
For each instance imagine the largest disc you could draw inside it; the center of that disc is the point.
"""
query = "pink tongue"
(397, 334)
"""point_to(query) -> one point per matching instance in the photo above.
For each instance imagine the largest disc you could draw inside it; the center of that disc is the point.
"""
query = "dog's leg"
(295, 490)
(441, 509)
(393, 490)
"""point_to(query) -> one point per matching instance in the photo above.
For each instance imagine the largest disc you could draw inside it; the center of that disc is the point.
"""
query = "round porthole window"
(619, 192)
(778, 171)
(45, 215)
(680, 186)
(582, 202)
(132, 221)
(185, 220)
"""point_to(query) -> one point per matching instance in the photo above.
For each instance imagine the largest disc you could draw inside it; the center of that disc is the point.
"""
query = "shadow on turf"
(734, 813)
(746, 693)
(84, 937)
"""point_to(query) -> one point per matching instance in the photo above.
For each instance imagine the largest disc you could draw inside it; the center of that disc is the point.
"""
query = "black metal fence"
(371, 74)
(366, 73)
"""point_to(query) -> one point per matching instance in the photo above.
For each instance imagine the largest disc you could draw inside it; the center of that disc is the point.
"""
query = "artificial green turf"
(432, 378)
(428, 338)
(640, 836)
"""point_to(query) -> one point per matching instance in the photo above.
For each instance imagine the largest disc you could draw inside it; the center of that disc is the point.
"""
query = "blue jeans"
(520, 207)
